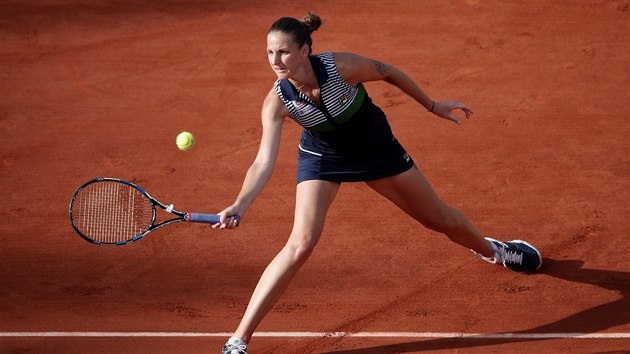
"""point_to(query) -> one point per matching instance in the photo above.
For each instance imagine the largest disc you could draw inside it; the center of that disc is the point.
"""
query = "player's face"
(284, 55)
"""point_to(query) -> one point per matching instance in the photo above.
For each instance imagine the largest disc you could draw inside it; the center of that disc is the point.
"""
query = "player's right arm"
(258, 174)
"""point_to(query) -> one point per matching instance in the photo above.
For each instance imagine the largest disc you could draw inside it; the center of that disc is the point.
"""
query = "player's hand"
(228, 219)
(445, 110)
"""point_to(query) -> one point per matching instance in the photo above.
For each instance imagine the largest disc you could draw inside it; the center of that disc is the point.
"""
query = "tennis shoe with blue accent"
(235, 346)
(517, 255)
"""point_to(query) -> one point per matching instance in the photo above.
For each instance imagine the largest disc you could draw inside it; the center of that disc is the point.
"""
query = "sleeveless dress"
(347, 137)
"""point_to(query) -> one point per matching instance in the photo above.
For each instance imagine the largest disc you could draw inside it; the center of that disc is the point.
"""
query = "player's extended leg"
(412, 193)
(313, 199)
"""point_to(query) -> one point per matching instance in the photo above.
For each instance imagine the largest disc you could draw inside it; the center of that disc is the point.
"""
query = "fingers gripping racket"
(116, 212)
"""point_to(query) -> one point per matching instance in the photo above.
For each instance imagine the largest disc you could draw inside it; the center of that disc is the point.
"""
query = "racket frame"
(180, 216)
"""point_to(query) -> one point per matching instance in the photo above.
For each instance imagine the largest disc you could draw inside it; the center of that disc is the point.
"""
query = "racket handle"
(207, 218)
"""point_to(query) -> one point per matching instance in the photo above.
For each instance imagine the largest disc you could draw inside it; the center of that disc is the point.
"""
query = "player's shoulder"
(349, 65)
(272, 98)
(273, 104)
(345, 58)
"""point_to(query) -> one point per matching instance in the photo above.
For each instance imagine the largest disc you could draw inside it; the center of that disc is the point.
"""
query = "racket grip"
(207, 218)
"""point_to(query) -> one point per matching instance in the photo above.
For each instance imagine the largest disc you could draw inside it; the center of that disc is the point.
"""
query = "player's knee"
(301, 250)
(299, 254)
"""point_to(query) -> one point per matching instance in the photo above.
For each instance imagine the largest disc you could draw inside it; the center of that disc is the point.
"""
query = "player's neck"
(305, 78)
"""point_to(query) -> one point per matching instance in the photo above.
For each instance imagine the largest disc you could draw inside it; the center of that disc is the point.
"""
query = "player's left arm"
(355, 69)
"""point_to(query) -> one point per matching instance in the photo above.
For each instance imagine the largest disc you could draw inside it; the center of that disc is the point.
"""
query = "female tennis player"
(345, 138)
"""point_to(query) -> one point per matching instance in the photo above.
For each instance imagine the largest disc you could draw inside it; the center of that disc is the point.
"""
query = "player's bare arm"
(355, 69)
(272, 117)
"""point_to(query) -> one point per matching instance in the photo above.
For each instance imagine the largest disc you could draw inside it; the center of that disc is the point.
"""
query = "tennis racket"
(112, 211)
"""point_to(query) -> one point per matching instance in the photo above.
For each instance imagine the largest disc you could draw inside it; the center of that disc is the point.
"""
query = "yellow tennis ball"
(185, 141)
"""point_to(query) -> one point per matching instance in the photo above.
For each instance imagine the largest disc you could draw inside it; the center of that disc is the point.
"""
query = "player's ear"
(305, 50)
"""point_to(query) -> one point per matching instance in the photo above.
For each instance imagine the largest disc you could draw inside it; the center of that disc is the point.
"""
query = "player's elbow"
(262, 167)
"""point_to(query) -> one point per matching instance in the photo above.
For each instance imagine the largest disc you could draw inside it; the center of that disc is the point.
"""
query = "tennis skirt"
(361, 149)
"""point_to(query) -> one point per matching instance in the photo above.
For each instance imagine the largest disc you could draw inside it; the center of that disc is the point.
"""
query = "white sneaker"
(235, 346)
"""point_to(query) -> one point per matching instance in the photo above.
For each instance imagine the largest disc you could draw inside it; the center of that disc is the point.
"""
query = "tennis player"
(345, 138)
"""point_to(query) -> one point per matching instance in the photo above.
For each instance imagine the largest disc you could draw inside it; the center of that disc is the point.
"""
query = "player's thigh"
(312, 201)
(411, 192)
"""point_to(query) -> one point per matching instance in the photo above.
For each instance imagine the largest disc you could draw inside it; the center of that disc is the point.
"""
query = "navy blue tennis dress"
(347, 138)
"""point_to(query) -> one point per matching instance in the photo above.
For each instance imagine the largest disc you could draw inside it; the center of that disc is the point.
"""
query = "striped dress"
(338, 99)
(346, 138)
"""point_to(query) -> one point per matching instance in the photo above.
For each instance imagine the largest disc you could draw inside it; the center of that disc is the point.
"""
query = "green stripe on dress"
(346, 114)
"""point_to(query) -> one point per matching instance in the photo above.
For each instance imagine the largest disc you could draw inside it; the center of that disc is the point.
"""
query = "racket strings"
(111, 212)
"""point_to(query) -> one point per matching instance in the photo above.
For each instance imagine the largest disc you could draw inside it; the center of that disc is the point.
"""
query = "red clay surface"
(95, 89)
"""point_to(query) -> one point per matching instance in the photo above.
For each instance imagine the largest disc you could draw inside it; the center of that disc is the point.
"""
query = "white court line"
(329, 334)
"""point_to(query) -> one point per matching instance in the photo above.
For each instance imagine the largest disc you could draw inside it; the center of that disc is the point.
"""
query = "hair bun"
(311, 21)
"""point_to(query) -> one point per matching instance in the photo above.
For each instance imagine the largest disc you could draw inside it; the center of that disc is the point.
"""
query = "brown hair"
(300, 30)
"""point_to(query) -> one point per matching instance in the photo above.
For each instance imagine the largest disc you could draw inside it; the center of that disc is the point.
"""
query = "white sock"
(236, 341)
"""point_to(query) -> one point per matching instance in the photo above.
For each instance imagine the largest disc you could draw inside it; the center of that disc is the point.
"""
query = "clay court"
(101, 88)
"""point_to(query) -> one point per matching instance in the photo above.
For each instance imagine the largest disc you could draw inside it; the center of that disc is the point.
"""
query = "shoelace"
(511, 256)
(237, 349)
